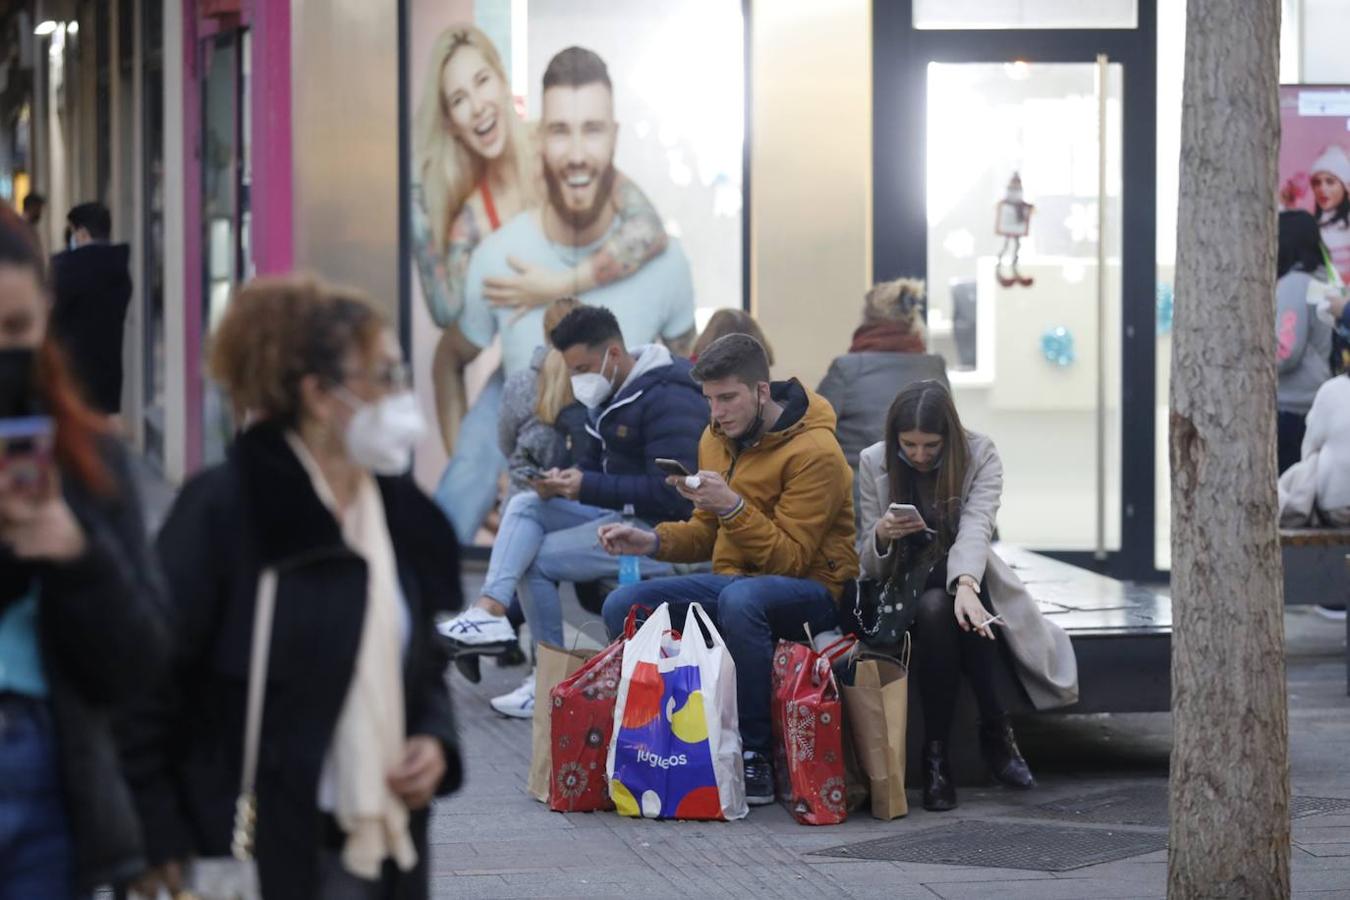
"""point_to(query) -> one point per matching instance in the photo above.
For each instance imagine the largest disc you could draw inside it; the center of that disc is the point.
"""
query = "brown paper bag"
(553, 665)
(876, 705)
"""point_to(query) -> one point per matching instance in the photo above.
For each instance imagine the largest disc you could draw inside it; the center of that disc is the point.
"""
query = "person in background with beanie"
(1329, 178)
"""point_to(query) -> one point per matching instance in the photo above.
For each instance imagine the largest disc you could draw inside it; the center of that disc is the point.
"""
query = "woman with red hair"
(81, 623)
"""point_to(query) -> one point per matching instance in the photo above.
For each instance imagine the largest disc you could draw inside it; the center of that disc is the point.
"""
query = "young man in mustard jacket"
(773, 510)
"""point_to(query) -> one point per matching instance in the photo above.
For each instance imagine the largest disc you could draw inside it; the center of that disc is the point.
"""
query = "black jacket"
(103, 638)
(662, 414)
(92, 287)
(185, 743)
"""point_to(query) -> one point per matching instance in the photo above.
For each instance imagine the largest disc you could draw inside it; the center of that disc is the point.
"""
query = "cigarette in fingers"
(993, 620)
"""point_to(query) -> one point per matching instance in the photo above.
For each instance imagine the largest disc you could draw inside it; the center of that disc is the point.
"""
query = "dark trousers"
(752, 614)
(942, 654)
(1289, 429)
(36, 857)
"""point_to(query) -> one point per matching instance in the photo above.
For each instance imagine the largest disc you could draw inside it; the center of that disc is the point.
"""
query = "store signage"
(1324, 103)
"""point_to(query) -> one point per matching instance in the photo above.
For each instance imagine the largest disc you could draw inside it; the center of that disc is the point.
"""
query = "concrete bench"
(1314, 565)
(1122, 637)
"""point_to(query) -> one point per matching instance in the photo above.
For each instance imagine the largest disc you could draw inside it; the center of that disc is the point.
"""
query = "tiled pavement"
(491, 840)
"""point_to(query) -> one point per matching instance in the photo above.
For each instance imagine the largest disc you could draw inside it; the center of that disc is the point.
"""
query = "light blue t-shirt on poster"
(655, 302)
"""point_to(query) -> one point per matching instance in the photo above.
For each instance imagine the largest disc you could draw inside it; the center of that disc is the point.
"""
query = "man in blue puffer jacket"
(643, 406)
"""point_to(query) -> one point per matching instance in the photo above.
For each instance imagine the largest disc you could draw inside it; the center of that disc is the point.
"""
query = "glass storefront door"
(226, 172)
(1035, 363)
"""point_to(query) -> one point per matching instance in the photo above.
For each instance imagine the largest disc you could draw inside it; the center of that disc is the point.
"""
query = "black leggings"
(942, 653)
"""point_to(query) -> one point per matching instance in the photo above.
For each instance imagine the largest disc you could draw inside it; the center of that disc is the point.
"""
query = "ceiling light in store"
(45, 27)
(73, 28)
(1018, 70)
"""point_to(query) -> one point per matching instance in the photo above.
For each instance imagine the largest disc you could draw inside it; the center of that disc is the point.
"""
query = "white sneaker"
(519, 704)
(476, 627)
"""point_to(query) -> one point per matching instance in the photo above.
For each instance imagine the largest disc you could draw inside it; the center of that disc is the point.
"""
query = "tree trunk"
(1230, 758)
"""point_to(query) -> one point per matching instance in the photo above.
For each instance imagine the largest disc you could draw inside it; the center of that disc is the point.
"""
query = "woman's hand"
(530, 288)
(891, 527)
(39, 526)
(167, 877)
(417, 777)
(970, 613)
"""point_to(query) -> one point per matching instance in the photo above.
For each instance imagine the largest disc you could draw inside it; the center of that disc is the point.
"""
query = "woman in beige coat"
(955, 481)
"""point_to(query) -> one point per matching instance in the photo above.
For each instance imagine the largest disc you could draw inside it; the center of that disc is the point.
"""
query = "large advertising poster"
(1314, 166)
(559, 148)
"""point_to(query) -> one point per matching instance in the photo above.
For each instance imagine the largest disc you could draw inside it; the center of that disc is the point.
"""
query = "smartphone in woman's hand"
(907, 512)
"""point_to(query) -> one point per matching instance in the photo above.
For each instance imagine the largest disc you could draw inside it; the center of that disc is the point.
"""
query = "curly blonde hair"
(901, 300)
(278, 330)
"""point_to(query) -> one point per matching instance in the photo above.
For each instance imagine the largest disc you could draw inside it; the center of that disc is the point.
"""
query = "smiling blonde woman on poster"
(475, 166)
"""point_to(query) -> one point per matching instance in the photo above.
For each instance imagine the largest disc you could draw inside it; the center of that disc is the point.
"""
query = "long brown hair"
(926, 406)
(730, 321)
(554, 384)
(78, 428)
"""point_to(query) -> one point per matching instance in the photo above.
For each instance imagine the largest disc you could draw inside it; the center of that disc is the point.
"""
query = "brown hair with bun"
(278, 330)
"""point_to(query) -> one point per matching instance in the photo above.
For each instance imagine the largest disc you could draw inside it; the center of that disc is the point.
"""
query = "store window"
(989, 14)
(226, 173)
(1015, 308)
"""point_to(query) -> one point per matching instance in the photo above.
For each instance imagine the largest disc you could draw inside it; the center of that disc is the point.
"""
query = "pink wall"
(273, 247)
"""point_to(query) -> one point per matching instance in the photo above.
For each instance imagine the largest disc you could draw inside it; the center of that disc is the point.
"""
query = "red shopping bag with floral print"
(581, 721)
(808, 737)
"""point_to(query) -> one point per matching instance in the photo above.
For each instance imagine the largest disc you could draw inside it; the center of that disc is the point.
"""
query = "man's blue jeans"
(544, 542)
(752, 613)
(468, 487)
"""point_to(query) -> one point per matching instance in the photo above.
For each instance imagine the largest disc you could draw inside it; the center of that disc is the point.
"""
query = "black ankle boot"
(1002, 756)
(939, 792)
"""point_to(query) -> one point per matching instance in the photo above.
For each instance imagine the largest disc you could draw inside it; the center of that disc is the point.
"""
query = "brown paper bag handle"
(903, 659)
(581, 629)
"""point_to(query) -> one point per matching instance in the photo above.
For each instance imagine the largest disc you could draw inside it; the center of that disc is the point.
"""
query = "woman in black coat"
(81, 610)
(315, 369)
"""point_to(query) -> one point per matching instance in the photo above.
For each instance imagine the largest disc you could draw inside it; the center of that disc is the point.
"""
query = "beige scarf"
(369, 740)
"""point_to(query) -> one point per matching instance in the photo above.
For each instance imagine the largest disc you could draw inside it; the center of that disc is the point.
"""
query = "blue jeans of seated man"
(544, 542)
(468, 487)
(36, 857)
(752, 613)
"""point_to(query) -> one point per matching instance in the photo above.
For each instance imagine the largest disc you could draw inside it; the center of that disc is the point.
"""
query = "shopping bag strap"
(245, 811)
(582, 630)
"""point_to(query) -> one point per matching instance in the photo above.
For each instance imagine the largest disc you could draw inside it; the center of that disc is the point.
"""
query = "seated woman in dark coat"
(888, 353)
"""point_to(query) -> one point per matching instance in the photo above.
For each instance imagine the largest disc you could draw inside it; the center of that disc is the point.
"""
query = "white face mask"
(381, 436)
(593, 388)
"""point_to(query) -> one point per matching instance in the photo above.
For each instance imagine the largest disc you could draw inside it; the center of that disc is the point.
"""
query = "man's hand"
(565, 483)
(619, 539)
(712, 494)
(416, 778)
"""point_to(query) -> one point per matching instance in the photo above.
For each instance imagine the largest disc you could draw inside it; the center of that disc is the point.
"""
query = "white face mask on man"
(381, 435)
(593, 388)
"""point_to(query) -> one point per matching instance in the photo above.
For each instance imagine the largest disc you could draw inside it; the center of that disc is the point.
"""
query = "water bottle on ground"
(630, 572)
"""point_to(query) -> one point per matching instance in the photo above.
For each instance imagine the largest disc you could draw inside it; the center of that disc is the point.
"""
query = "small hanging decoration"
(1012, 220)
(1057, 347)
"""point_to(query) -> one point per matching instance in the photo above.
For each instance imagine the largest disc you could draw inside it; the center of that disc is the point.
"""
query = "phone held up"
(672, 467)
(26, 453)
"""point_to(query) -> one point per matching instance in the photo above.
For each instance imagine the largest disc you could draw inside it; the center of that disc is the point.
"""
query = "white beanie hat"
(1335, 161)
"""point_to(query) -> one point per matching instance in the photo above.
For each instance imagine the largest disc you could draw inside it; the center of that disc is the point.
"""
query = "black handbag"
(885, 610)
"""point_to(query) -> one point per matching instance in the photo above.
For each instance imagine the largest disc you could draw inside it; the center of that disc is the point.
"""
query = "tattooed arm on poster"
(639, 237)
